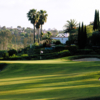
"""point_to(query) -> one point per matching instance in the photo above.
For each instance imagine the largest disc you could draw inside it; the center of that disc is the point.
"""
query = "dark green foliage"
(57, 42)
(73, 49)
(49, 34)
(85, 37)
(96, 20)
(84, 51)
(26, 35)
(83, 56)
(44, 44)
(2, 52)
(5, 55)
(79, 36)
(68, 43)
(11, 52)
(59, 54)
(82, 37)
(53, 41)
(64, 53)
(22, 34)
(95, 38)
(97, 51)
(59, 48)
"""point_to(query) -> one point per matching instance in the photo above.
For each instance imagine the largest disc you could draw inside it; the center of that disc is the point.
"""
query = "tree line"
(20, 37)
(83, 35)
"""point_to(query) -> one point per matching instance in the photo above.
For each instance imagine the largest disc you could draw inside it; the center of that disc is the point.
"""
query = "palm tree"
(38, 27)
(43, 19)
(71, 24)
(33, 16)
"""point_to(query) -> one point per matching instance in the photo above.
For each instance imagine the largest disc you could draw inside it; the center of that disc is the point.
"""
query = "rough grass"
(57, 79)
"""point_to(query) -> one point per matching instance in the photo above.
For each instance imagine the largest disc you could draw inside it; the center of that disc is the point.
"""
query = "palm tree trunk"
(34, 34)
(41, 33)
(38, 35)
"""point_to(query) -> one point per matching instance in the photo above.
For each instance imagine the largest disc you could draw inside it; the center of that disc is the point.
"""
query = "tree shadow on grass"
(91, 98)
(2, 66)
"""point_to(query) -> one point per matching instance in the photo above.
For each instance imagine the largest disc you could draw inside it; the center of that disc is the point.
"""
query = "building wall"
(62, 39)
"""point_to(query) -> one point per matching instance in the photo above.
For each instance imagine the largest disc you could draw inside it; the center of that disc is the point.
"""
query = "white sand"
(87, 59)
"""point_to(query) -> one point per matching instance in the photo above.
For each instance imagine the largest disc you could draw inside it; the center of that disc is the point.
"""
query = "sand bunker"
(87, 59)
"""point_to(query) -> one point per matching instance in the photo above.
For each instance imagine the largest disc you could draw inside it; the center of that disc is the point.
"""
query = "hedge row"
(39, 56)
(55, 55)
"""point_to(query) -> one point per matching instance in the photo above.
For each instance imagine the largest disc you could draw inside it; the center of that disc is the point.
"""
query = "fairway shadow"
(2, 66)
(91, 98)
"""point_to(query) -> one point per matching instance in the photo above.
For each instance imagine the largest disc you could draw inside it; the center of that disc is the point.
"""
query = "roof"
(63, 35)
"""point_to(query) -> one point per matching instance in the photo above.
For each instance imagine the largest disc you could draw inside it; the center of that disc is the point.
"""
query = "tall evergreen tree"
(85, 36)
(96, 20)
(82, 36)
(79, 34)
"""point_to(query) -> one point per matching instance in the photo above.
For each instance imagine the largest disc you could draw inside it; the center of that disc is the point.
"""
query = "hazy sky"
(14, 12)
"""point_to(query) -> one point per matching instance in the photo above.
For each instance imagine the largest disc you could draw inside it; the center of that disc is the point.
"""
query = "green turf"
(58, 79)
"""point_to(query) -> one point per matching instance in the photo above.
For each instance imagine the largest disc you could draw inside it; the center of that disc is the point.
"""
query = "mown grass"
(58, 79)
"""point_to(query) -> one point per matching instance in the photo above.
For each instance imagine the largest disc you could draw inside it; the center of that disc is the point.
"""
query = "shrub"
(44, 44)
(64, 53)
(5, 55)
(54, 41)
(97, 51)
(73, 49)
(59, 48)
(11, 52)
(2, 52)
(57, 42)
(36, 44)
(84, 51)
(68, 43)
(56, 54)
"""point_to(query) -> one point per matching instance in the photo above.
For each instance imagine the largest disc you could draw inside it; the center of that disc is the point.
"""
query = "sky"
(14, 12)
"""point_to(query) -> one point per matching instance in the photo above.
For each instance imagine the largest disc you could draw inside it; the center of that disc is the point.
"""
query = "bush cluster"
(85, 51)
(57, 42)
(2, 52)
(73, 49)
(55, 54)
(5, 55)
(11, 52)
(59, 48)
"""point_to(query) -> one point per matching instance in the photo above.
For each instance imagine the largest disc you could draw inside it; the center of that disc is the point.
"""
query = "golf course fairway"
(57, 79)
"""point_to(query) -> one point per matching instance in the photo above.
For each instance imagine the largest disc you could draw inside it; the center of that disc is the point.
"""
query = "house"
(63, 37)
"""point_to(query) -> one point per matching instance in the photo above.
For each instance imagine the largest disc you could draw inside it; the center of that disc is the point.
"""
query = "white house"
(63, 37)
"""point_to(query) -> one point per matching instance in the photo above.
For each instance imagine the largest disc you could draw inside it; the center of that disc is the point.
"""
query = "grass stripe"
(35, 90)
